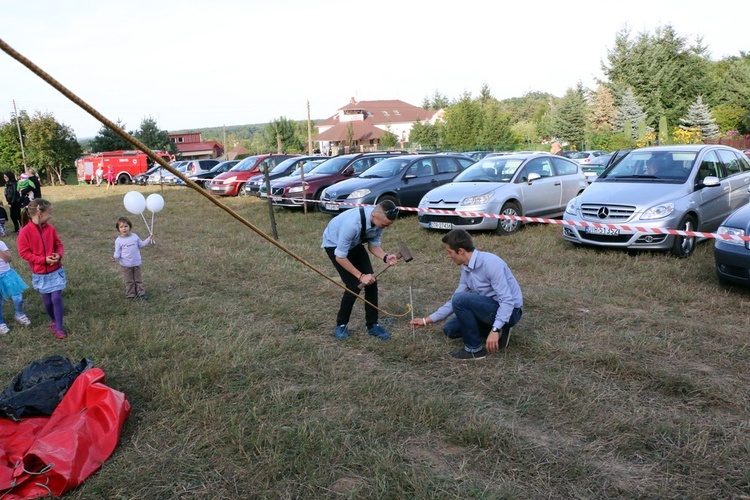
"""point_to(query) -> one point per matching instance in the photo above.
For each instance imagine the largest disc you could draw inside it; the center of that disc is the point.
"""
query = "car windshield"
(309, 166)
(333, 165)
(222, 167)
(491, 169)
(578, 156)
(671, 166)
(386, 168)
(283, 165)
(246, 164)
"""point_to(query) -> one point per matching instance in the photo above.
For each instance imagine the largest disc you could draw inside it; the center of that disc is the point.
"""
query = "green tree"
(438, 101)
(388, 139)
(629, 113)
(699, 117)
(569, 117)
(496, 131)
(10, 144)
(108, 140)
(51, 146)
(729, 117)
(155, 139)
(663, 130)
(281, 135)
(664, 71)
(463, 120)
(425, 135)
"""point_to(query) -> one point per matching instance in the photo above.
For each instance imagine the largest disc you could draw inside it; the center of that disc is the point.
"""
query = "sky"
(195, 64)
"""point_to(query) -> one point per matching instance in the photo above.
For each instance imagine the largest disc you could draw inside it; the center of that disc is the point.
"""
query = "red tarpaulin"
(43, 455)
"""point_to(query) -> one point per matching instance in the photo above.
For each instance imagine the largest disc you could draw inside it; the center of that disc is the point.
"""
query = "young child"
(40, 246)
(128, 251)
(3, 220)
(11, 287)
(26, 188)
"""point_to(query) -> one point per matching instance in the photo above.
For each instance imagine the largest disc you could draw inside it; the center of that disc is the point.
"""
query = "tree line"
(657, 88)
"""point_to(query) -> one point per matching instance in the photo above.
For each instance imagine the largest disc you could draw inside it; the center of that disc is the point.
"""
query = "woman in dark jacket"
(12, 196)
(34, 178)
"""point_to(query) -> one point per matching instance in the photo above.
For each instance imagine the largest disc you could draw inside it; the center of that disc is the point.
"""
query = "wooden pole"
(20, 137)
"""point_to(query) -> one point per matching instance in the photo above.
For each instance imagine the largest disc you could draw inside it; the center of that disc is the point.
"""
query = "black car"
(732, 257)
(283, 169)
(141, 179)
(202, 179)
(403, 180)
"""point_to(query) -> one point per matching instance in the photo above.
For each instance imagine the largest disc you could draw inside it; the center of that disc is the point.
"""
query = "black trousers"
(15, 215)
(357, 256)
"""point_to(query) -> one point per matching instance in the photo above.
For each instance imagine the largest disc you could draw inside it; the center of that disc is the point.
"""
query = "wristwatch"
(495, 329)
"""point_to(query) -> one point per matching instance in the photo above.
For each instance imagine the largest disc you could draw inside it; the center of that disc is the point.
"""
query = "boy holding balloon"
(128, 251)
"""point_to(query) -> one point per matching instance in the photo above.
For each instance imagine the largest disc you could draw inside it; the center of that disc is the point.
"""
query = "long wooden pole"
(20, 137)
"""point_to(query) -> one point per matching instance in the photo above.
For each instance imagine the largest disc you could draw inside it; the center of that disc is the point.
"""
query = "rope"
(139, 145)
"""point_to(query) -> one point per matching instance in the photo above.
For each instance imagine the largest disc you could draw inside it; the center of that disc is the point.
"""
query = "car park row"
(631, 199)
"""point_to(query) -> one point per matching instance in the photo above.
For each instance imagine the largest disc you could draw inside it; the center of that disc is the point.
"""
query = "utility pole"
(309, 131)
(20, 137)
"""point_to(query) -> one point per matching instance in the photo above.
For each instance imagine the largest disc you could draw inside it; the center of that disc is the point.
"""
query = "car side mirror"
(533, 177)
(348, 171)
(711, 181)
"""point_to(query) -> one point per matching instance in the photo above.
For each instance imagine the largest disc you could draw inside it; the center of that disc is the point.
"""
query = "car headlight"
(731, 231)
(658, 212)
(572, 207)
(424, 202)
(358, 193)
(297, 189)
(476, 200)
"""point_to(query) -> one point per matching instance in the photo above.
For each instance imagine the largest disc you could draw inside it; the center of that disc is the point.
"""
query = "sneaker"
(52, 327)
(341, 332)
(143, 297)
(465, 355)
(23, 319)
(4, 329)
(60, 334)
(378, 331)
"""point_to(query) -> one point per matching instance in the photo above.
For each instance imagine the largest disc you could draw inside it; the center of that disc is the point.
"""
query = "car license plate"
(275, 198)
(331, 206)
(441, 225)
(604, 231)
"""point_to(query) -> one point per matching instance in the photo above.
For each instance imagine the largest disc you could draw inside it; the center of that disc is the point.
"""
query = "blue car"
(404, 180)
(732, 257)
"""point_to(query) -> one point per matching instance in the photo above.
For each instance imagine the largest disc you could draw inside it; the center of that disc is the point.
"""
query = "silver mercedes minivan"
(684, 187)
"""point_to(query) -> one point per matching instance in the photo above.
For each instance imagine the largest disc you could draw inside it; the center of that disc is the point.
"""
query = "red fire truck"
(127, 164)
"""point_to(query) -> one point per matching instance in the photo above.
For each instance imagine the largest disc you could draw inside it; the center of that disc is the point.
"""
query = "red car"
(232, 183)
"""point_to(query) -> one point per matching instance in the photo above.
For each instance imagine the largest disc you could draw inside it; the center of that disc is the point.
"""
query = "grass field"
(628, 375)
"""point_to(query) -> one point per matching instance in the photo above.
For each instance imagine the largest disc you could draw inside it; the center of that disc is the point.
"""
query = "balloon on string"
(155, 202)
(134, 202)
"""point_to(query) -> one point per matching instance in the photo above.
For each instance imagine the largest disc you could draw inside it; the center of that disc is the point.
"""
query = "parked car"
(202, 178)
(403, 180)
(158, 175)
(296, 175)
(584, 157)
(232, 183)
(170, 179)
(477, 155)
(533, 185)
(283, 169)
(594, 169)
(694, 188)
(568, 154)
(288, 192)
(732, 257)
(142, 179)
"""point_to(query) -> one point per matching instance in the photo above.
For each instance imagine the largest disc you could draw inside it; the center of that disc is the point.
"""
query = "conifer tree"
(699, 118)
(629, 111)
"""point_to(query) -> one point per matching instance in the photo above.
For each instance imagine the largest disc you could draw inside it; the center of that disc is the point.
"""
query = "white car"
(532, 185)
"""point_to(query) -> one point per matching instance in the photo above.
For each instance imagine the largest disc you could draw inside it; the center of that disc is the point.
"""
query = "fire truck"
(127, 164)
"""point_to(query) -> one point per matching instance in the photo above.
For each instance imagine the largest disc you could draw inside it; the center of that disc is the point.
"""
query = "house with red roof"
(190, 146)
(365, 122)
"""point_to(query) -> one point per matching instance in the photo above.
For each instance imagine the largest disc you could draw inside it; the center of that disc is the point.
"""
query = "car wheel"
(684, 246)
(509, 226)
(241, 191)
(388, 198)
(123, 179)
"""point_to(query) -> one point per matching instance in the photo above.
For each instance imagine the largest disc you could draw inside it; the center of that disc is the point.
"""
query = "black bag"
(40, 387)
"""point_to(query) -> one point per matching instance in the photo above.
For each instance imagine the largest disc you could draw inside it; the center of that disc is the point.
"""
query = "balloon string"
(144, 221)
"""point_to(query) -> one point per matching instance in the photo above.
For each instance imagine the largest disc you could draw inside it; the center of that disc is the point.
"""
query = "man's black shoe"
(465, 355)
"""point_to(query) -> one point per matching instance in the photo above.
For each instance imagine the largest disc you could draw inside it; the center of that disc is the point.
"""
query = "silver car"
(688, 187)
(532, 185)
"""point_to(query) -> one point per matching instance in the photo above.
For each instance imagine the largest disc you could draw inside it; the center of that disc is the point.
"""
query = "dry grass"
(627, 376)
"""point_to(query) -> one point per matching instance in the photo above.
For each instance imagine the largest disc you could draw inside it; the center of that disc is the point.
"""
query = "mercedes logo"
(603, 213)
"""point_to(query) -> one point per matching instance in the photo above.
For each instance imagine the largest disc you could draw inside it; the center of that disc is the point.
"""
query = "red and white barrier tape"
(540, 220)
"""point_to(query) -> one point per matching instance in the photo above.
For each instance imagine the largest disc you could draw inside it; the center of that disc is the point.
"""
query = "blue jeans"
(474, 315)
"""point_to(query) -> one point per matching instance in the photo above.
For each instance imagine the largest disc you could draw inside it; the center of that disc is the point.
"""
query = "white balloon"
(134, 202)
(155, 202)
